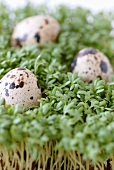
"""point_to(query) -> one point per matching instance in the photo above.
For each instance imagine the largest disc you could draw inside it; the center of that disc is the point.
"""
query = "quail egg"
(19, 86)
(35, 30)
(90, 63)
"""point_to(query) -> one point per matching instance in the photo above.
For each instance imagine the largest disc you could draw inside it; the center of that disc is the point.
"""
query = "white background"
(94, 5)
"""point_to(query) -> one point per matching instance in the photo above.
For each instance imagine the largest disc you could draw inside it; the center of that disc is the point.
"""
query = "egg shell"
(35, 30)
(90, 63)
(19, 86)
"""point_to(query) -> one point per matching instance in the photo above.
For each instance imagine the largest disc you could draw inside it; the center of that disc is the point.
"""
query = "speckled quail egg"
(35, 30)
(20, 86)
(90, 63)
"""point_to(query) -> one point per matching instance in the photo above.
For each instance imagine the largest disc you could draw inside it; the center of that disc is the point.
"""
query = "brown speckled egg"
(90, 63)
(35, 30)
(19, 86)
